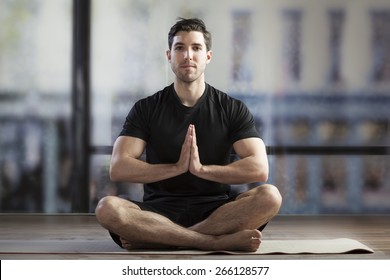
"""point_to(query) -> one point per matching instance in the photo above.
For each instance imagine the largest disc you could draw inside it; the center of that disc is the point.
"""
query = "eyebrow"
(182, 44)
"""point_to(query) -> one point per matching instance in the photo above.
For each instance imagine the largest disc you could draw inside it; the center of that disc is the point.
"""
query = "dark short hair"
(192, 24)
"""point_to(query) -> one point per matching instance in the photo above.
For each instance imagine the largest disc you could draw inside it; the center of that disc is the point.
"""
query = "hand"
(185, 154)
(195, 165)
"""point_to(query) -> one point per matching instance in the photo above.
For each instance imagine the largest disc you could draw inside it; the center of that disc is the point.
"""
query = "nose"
(188, 55)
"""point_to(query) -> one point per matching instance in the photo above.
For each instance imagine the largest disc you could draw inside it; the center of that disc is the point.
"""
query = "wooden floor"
(373, 231)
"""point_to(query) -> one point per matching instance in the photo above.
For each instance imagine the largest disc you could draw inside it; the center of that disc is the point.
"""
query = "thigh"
(144, 206)
(175, 209)
(232, 198)
(249, 193)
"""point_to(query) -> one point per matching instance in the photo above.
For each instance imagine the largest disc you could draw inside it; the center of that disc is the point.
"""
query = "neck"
(189, 93)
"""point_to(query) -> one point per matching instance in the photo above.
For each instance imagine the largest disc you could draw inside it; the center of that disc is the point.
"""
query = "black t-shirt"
(162, 121)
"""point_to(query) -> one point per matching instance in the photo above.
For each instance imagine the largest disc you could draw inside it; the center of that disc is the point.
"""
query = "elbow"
(260, 176)
(263, 177)
(120, 172)
(262, 173)
(114, 173)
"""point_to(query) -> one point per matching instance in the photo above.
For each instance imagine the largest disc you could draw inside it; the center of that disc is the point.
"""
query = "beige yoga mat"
(78, 246)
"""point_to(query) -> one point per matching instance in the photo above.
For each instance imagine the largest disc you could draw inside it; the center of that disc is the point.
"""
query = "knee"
(270, 195)
(105, 210)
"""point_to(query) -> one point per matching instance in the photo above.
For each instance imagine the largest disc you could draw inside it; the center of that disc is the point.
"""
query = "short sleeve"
(137, 122)
(242, 122)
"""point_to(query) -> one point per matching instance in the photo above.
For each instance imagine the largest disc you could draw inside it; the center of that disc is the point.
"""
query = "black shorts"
(184, 211)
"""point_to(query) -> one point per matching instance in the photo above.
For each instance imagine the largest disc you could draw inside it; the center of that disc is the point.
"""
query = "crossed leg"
(233, 226)
(249, 210)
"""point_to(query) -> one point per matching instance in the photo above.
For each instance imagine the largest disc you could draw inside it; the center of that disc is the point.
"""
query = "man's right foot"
(246, 240)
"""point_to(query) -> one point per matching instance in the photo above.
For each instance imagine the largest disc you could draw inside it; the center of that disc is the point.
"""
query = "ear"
(209, 55)
(168, 53)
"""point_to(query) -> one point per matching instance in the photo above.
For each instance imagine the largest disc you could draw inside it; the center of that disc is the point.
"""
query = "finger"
(194, 147)
(193, 136)
(188, 140)
(189, 130)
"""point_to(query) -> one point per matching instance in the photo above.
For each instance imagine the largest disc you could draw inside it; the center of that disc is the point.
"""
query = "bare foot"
(246, 240)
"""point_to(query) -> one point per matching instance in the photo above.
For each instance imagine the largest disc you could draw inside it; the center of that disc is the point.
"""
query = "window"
(242, 54)
(336, 24)
(380, 21)
(35, 107)
(292, 37)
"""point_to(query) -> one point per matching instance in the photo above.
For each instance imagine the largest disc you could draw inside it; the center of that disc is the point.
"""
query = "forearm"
(126, 165)
(137, 171)
(243, 171)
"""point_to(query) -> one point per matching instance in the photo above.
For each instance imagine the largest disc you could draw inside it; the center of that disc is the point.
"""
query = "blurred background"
(315, 74)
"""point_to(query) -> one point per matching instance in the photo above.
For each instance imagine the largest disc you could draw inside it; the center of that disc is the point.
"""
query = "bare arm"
(251, 167)
(126, 164)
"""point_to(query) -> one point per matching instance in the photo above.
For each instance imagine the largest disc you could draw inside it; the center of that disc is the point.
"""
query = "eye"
(197, 48)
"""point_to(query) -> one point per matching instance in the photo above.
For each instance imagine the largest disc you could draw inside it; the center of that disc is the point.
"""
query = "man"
(188, 130)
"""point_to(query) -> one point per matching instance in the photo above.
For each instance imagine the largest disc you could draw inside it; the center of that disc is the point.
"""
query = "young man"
(188, 130)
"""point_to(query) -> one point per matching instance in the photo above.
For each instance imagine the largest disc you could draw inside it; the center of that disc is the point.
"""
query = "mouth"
(188, 66)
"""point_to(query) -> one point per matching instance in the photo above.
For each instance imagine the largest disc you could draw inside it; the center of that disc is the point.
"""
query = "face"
(189, 56)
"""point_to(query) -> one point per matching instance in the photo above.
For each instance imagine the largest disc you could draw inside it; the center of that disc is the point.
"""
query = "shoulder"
(157, 97)
(150, 103)
(225, 100)
(216, 94)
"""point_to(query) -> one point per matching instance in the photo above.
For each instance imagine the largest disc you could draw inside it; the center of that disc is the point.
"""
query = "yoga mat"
(80, 246)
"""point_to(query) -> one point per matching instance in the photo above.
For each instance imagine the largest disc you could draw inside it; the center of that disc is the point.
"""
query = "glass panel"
(332, 184)
(35, 52)
(242, 72)
(381, 46)
(101, 184)
(312, 75)
(336, 24)
(292, 44)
